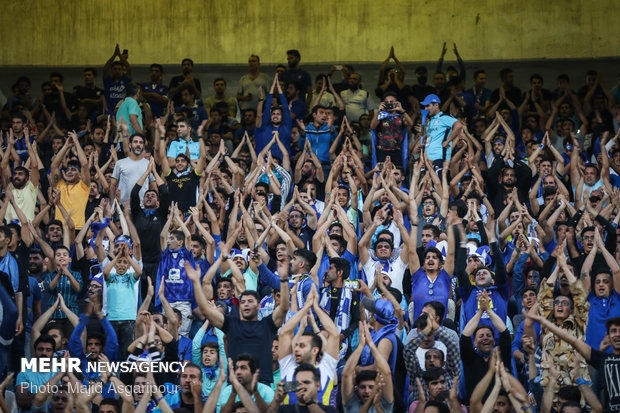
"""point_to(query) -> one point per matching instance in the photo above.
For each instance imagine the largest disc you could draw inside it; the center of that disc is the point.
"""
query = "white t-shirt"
(127, 172)
(396, 271)
(327, 368)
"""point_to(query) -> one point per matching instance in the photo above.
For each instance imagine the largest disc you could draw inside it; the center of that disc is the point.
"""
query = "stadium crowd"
(307, 245)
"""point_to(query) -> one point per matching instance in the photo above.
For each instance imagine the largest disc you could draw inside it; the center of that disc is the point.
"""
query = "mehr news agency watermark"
(74, 365)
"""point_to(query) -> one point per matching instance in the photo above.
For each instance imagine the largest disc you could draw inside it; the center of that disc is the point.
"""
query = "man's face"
(243, 372)
(427, 235)
(433, 358)
(117, 71)
(331, 274)
(435, 387)
(307, 386)
(590, 175)
(545, 168)
(428, 207)
(343, 197)
(107, 408)
(433, 108)
(224, 290)
(275, 347)
(241, 263)
(54, 233)
(58, 338)
(197, 250)
(383, 250)
(528, 299)
(219, 87)
(60, 401)
(587, 241)
(183, 130)
(602, 285)
(532, 279)
(354, 81)
(155, 74)
(253, 63)
(536, 84)
(89, 77)
(17, 125)
(150, 199)
(439, 80)
(498, 146)
(248, 307)
(502, 405)
(509, 79)
(137, 145)
(562, 307)
(189, 376)
(431, 262)
(249, 119)
(187, 67)
(35, 263)
(508, 178)
(20, 178)
(94, 347)
(209, 356)
(186, 98)
(320, 116)
(139, 384)
(308, 169)
(365, 390)
(483, 278)
(481, 80)
(44, 349)
(276, 116)
(292, 61)
(614, 336)
(281, 252)
(295, 219)
(173, 242)
(484, 340)
(181, 164)
(303, 351)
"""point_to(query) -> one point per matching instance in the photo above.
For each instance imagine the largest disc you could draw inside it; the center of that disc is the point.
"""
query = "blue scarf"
(387, 331)
(343, 313)
(210, 372)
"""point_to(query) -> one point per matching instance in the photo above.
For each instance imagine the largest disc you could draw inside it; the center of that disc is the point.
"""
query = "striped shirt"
(63, 287)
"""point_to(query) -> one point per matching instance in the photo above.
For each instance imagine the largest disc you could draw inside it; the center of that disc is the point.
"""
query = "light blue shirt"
(122, 299)
(129, 107)
(438, 129)
(265, 392)
(178, 147)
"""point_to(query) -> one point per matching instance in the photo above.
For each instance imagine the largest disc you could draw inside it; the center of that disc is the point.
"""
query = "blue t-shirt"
(178, 147)
(601, 310)
(114, 90)
(35, 295)
(129, 107)
(423, 290)
(438, 129)
(156, 108)
(172, 267)
(122, 296)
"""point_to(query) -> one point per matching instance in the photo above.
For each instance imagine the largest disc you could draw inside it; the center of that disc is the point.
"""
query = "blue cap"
(432, 98)
(383, 310)
(125, 239)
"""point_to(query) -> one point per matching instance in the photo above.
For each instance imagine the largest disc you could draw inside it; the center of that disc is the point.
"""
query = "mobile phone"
(352, 284)
(290, 386)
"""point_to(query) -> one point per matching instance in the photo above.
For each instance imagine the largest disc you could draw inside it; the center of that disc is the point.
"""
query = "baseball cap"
(234, 253)
(432, 98)
(382, 309)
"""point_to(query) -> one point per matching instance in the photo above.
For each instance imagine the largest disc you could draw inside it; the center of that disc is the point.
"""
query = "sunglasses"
(563, 303)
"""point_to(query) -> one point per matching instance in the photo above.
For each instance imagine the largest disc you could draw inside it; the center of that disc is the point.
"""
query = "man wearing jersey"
(308, 348)
(441, 129)
(178, 288)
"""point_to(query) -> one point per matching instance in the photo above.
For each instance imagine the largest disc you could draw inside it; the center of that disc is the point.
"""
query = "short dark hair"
(199, 239)
(528, 289)
(317, 107)
(185, 121)
(461, 207)
(570, 393)
(108, 401)
(91, 69)
(132, 88)
(569, 403)
(95, 335)
(433, 228)
(482, 327)
(435, 251)
(365, 375)
(433, 373)
(136, 135)
(315, 340)
(219, 79)
(308, 256)
(6, 231)
(442, 407)
(179, 235)
(157, 66)
(187, 59)
(294, 52)
(341, 264)
(250, 293)
(250, 359)
(45, 339)
(615, 321)
(439, 308)
(478, 72)
(536, 76)
(504, 72)
(58, 75)
(316, 375)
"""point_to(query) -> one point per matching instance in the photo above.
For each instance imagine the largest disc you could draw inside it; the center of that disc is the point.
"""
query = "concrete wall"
(84, 32)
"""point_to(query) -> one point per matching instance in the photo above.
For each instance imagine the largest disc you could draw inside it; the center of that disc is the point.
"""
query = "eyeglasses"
(428, 203)
(564, 303)
(71, 168)
(57, 398)
(295, 216)
(431, 286)
(588, 237)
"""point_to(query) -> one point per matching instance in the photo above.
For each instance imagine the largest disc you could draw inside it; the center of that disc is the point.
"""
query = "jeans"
(185, 307)
(124, 330)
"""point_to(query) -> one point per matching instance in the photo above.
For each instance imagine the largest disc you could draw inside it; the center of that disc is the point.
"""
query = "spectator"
(116, 75)
(128, 170)
(356, 100)
(155, 93)
(130, 111)
(184, 80)
(219, 87)
(250, 84)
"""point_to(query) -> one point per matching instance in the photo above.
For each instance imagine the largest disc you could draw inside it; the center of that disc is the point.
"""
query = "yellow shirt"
(74, 199)
(26, 200)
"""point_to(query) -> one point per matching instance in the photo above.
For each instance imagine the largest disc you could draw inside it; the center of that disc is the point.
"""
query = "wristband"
(310, 402)
(541, 146)
(158, 400)
(524, 408)
(581, 381)
(283, 280)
